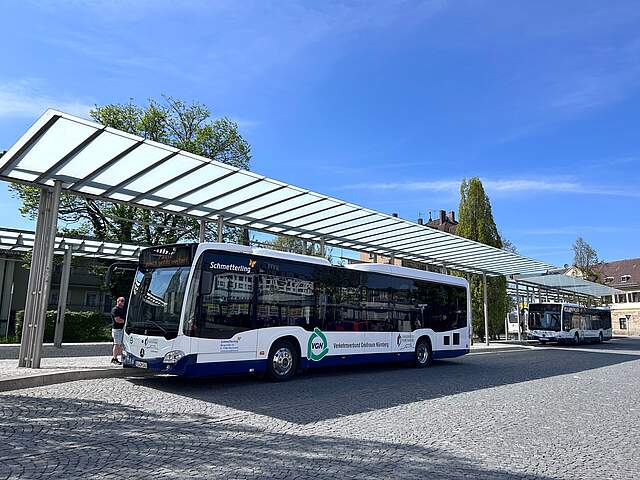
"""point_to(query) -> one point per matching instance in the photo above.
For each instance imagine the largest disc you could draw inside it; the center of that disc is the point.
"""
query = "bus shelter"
(61, 152)
(22, 241)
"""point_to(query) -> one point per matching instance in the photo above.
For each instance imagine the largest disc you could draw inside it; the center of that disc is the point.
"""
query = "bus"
(216, 308)
(569, 323)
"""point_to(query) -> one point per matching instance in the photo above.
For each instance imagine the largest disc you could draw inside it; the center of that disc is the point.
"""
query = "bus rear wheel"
(282, 363)
(424, 354)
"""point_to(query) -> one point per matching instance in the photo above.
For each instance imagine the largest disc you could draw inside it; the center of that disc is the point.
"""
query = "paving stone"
(542, 413)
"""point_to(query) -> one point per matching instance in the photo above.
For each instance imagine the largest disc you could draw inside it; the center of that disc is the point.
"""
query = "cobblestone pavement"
(537, 413)
(71, 357)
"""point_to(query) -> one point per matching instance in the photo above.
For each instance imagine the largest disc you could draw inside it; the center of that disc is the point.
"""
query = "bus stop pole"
(506, 327)
(202, 231)
(62, 298)
(486, 308)
(518, 311)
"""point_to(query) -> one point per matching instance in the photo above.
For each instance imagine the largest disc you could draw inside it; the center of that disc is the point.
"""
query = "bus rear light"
(173, 356)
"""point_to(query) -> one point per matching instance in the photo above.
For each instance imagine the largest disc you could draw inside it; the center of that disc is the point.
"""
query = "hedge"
(83, 326)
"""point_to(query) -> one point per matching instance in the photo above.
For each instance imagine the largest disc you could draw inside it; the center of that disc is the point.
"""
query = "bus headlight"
(173, 356)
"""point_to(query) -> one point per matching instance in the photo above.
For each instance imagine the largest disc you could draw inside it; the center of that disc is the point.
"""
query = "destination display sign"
(167, 256)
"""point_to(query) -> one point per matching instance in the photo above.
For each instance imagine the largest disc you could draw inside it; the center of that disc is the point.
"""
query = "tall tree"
(476, 223)
(185, 126)
(586, 259)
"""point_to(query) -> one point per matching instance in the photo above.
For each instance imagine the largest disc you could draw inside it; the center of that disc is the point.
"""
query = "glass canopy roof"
(564, 283)
(12, 240)
(100, 162)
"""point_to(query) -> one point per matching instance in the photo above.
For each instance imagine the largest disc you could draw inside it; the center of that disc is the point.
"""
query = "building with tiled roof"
(625, 307)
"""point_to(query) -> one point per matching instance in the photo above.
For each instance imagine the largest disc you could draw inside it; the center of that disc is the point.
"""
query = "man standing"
(118, 314)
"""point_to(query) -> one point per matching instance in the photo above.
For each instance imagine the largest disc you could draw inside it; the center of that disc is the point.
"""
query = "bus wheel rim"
(423, 353)
(282, 361)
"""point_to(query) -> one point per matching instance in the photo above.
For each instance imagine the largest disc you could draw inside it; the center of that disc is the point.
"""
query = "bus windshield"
(544, 317)
(156, 301)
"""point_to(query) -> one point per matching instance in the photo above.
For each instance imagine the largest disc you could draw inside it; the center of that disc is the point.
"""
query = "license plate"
(140, 364)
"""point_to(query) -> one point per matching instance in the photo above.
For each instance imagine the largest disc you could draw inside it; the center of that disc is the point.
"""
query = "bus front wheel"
(282, 362)
(424, 354)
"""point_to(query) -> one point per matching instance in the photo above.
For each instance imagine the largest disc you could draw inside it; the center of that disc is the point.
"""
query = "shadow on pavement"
(65, 438)
(331, 393)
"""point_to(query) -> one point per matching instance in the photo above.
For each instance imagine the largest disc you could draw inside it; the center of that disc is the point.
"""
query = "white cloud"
(515, 186)
(437, 186)
(572, 230)
(26, 98)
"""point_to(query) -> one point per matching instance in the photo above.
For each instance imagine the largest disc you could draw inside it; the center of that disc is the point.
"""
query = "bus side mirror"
(206, 283)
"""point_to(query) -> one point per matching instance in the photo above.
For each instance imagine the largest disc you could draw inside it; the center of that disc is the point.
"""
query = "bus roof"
(262, 252)
(568, 304)
(365, 267)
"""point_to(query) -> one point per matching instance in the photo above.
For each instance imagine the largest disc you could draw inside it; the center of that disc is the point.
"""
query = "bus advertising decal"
(404, 341)
(230, 345)
(317, 347)
(230, 267)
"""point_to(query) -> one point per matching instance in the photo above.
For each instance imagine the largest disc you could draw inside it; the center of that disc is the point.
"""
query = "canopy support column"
(518, 311)
(220, 225)
(486, 308)
(203, 226)
(322, 247)
(35, 310)
(62, 298)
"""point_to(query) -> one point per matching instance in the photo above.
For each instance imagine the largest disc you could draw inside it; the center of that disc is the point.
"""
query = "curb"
(64, 377)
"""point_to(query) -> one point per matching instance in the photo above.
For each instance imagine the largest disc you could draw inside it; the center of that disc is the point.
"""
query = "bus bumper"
(181, 367)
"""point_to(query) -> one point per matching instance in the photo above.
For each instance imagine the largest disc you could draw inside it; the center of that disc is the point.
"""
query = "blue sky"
(384, 104)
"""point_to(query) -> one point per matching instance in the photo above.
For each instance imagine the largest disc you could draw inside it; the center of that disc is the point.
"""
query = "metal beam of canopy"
(15, 240)
(108, 164)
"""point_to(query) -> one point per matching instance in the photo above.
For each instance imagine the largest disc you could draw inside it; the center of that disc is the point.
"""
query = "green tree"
(586, 259)
(173, 122)
(476, 223)
(285, 243)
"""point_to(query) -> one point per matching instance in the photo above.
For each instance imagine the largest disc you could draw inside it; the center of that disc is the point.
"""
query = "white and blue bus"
(569, 323)
(216, 308)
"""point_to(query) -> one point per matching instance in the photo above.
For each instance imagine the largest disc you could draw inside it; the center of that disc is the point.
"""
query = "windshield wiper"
(158, 325)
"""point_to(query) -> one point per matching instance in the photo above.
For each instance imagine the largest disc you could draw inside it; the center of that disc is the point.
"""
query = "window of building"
(621, 298)
(625, 278)
(623, 323)
(608, 279)
(634, 296)
(606, 299)
(91, 299)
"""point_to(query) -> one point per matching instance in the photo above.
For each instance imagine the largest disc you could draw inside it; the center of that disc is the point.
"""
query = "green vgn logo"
(317, 346)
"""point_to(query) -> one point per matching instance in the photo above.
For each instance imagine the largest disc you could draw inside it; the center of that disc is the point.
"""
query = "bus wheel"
(576, 339)
(424, 354)
(283, 361)
(600, 338)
